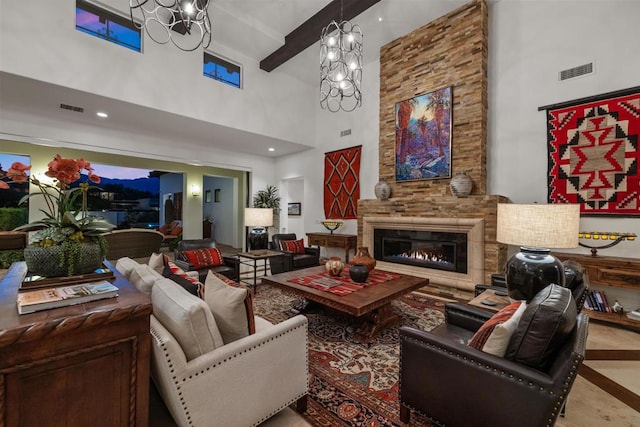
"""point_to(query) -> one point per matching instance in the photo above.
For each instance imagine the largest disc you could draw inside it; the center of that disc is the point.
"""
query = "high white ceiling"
(254, 28)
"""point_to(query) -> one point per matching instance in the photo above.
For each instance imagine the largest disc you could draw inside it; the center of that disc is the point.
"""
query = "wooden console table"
(613, 272)
(346, 241)
(86, 364)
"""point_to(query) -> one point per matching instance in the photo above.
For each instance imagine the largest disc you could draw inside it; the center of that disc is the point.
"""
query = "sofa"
(228, 266)
(206, 376)
(304, 258)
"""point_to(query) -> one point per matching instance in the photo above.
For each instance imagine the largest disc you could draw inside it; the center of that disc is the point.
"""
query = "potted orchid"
(67, 240)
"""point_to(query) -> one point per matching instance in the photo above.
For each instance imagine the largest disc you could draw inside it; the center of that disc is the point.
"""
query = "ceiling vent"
(345, 132)
(578, 71)
(72, 108)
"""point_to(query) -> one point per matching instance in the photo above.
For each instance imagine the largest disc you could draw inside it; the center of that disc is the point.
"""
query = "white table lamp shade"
(543, 226)
(258, 217)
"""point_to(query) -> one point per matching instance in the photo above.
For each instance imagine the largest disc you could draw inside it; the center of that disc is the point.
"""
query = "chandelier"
(185, 23)
(340, 66)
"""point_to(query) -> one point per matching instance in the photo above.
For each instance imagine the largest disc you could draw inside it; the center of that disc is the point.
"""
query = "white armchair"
(241, 383)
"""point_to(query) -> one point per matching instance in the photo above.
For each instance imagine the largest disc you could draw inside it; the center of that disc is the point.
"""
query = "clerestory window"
(101, 23)
(222, 70)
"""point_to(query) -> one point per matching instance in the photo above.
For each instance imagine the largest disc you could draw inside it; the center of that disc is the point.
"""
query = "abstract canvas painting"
(423, 136)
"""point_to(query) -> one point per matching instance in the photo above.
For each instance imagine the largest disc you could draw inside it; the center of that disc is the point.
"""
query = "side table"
(251, 259)
(85, 364)
(491, 300)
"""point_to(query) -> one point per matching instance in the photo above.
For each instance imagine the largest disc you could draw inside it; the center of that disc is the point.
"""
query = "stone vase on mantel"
(382, 190)
(461, 185)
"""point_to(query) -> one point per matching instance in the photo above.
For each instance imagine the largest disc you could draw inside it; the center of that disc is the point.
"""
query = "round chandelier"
(185, 23)
(340, 66)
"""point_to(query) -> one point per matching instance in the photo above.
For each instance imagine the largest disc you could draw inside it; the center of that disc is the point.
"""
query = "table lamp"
(536, 228)
(258, 219)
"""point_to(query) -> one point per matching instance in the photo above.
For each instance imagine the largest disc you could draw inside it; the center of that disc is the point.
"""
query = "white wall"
(38, 39)
(309, 165)
(222, 212)
(293, 192)
(529, 43)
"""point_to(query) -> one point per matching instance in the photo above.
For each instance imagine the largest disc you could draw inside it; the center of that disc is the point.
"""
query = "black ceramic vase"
(359, 273)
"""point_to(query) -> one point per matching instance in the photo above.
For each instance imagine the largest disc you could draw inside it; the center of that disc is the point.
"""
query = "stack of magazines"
(44, 299)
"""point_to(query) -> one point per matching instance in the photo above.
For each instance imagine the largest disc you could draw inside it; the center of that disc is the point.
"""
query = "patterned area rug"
(352, 383)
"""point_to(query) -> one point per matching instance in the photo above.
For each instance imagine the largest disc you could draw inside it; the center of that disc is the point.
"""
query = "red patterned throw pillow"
(494, 335)
(203, 258)
(293, 246)
(175, 273)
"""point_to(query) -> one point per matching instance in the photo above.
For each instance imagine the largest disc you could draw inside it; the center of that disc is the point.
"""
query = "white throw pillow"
(499, 339)
(143, 277)
(227, 303)
(156, 261)
(186, 317)
(125, 266)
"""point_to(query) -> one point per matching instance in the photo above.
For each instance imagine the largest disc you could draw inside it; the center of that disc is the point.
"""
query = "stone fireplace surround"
(472, 227)
(474, 215)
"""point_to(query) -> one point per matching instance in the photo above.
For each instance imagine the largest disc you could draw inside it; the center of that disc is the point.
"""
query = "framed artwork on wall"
(294, 209)
(216, 195)
(593, 153)
(207, 196)
(423, 136)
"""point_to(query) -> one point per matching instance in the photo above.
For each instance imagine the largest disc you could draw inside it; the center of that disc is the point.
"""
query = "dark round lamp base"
(531, 270)
(258, 239)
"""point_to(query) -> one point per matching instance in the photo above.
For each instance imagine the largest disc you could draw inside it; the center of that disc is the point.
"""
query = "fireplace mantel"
(472, 227)
(443, 212)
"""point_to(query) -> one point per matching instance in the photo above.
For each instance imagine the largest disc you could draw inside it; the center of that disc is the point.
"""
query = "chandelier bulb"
(188, 8)
(331, 41)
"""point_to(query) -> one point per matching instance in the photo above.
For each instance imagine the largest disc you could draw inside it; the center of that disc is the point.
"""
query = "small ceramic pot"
(334, 266)
(362, 257)
(359, 273)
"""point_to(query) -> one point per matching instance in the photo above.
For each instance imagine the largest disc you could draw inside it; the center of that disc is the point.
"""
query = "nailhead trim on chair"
(558, 398)
(177, 381)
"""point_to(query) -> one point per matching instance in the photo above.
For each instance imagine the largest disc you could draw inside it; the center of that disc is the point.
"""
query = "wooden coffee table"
(371, 305)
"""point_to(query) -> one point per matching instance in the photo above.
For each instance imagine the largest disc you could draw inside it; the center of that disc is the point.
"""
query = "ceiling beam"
(309, 32)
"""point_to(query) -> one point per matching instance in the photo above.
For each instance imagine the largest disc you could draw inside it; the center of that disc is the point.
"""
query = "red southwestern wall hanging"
(594, 153)
(342, 183)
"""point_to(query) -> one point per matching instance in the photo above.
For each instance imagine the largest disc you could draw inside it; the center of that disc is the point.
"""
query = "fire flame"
(424, 256)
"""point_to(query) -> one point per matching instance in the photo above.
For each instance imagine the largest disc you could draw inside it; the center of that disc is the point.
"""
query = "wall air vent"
(72, 108)
(578, 71)
(345, 132)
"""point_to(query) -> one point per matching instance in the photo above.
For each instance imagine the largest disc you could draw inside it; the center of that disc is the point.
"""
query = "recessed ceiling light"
(272, 149)
(380, 19)
(102, 114)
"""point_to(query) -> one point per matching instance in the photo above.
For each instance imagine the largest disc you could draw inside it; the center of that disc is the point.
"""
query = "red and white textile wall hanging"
(342, 183)
(594, 155)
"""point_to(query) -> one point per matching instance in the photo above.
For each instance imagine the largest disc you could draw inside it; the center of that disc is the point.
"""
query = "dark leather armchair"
(230, 268)
(453, 384)
(290, 261)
